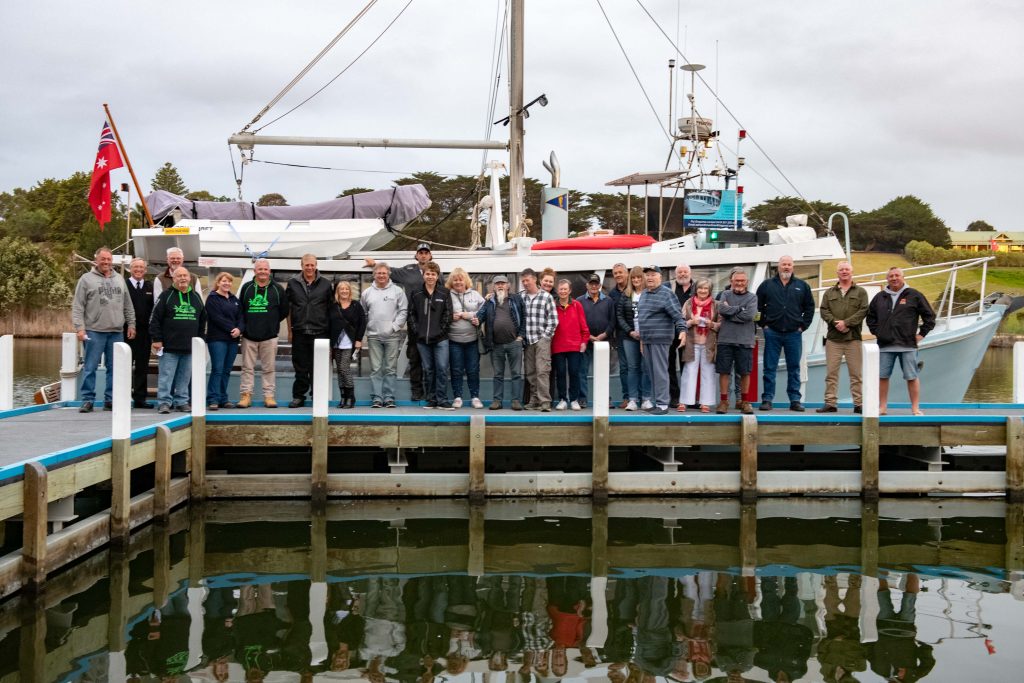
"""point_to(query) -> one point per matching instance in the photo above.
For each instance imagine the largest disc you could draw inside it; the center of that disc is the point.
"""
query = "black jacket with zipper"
(309, 304)
(430, 315)
(897, 325)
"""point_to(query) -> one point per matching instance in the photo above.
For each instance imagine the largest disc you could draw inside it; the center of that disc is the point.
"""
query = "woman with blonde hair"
(347, 324)
(701, 314)
(224, 327)
(639, 386)
(463, 337)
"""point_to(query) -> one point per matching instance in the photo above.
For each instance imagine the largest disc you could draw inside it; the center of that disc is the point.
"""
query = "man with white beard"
(503, 318)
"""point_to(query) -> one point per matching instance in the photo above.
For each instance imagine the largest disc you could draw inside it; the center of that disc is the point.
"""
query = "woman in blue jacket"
(223, 331)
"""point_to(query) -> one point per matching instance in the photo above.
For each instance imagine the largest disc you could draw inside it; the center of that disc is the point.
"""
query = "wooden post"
(69, 366)
(321, 396)
(748, 539)
(34, 516)
(7, 372)
(476, 541)
(477, 459)
(869, 458)
(162, 475)
(120, 493)
(1015, 458)
(197, 480)
(601, 428)
(1015, 538)
(869, 539)
(748, 459)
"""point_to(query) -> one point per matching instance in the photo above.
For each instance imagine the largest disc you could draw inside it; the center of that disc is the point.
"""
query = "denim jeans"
(586, 360)
(567, 363)
(507, 355)
(99, 344)
(639, 383)
(464, 359)
(222, 357)
(775, 343)
(620, 354)
(175, 375)
(434, 358)
(383, 366)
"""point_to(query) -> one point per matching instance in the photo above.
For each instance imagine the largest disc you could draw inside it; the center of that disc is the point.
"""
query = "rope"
(309, 66)
(339, 74)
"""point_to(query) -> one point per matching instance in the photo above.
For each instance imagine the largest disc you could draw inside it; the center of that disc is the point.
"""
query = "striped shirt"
(541, 318)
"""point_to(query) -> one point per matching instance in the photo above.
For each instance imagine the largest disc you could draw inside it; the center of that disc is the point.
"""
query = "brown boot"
(746, 408)
(723, 407)
(269, 402)
(244, 401)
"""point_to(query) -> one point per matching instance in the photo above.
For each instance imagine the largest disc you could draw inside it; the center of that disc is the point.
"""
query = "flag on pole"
(108, 157)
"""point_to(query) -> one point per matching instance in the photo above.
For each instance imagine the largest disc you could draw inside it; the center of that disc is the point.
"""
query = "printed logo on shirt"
(259, 303)
(184, 311)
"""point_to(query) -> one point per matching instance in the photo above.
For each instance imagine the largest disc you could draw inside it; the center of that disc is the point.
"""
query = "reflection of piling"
(117, 619)
(748, 539)
(32, 650)
(161, 565)
(475, 563)
(869, 539)
(1015, 538)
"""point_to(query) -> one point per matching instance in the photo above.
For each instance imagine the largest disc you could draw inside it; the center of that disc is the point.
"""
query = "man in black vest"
(141, 291)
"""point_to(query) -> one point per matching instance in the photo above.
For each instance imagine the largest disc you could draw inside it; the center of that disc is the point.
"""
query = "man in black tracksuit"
(308, 297)
(787, 309)
(430, 315)
(178, 316)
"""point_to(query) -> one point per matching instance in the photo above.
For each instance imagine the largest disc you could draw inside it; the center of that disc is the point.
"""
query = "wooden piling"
(162, 475)
(869, 458)
(599, 468)
(475, 564)
(599, 540)
(161, 565)
(1015, 459)
(196, 544)
(869, 539)
(32, 649)
(477, 459)
(117, 618)
(33, 551)
(120, 492)
(318, 476)
(197, 475)
(748, 459)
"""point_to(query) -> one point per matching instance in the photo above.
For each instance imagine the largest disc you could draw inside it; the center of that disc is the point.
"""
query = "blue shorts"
(728, 356)
(887, 361)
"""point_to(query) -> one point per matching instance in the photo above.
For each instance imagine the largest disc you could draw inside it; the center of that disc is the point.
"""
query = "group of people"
(431, 628)
(672, 339)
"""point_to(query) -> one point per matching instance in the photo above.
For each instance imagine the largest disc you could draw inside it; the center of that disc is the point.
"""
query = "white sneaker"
(575, 405)
(631, 405)
(477, 403)
(646, 405)
(562, 405)
(457, 403)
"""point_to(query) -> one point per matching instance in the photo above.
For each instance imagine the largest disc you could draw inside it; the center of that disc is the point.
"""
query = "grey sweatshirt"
(386, 310)
(102, 304)
(469, 301)
(738, 312)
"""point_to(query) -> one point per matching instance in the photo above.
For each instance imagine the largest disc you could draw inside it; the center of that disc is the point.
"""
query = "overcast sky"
(857, 101)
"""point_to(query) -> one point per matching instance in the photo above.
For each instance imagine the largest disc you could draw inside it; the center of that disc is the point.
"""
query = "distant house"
(988, 240)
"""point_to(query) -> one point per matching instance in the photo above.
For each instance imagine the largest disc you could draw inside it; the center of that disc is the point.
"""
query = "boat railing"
(946, 308)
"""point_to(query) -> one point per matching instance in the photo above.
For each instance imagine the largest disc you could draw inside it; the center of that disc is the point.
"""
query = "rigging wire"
(728, 111)
(349, 170)
(284, 91)
(647, 97)
(340, 73)
(496, 62)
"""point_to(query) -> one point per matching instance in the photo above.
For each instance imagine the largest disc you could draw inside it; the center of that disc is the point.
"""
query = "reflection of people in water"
(694, 625)
(840, 653)
(461, 617)
(256, 627)
(783, 645)
(344, 627)
(218, 630)
(898, 655)
(734, 626)
(498, 633)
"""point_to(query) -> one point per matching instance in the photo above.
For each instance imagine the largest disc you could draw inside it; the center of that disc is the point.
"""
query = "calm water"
(37, 362)
(646, 591)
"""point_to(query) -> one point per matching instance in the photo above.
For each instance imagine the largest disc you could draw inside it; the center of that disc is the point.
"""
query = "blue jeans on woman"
(222, 358)
(639, 382)
(567, 361)
(435, 372)
(464, 359)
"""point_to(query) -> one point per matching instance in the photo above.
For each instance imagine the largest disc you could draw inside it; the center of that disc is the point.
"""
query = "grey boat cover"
(396, 206)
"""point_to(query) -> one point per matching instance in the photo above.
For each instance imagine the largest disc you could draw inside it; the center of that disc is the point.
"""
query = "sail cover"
(397, 206)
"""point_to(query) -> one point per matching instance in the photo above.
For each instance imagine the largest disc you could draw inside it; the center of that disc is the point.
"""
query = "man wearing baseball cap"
(410, 278)
(599, 310)
(659, 320)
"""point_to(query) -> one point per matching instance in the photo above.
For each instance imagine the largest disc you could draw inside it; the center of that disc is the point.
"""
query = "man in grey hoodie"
(386, 310)
(100, 311)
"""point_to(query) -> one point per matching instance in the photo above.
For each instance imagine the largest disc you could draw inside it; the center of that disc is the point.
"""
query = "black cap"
(423, 247)
(650, 268)
(594, 277)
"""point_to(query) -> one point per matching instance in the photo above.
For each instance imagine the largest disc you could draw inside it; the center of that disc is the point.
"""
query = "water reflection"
(519, 594)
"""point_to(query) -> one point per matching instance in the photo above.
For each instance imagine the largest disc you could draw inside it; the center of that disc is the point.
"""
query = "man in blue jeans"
(100, 311)
(430, 315)
(787, 309)
(503, 318)
(599, 310)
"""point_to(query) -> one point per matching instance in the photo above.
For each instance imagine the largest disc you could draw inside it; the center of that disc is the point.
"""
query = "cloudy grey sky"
(858, 101)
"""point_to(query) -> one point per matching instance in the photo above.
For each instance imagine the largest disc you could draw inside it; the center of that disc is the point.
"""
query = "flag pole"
(128, 163)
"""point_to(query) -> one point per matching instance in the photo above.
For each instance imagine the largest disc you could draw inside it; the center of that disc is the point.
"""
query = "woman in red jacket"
(568, 346)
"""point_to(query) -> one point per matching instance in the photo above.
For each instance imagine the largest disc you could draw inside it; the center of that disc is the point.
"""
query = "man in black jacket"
(893, 318)
(141, 292)
(264, 306)
(787, 309)
(308, 297)
(178, 316)
(430, 314)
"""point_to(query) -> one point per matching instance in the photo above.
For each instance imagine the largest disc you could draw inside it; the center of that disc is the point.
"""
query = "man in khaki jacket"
(843, 308)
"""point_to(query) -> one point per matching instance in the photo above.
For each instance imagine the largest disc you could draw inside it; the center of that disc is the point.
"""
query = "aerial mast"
(516, 115)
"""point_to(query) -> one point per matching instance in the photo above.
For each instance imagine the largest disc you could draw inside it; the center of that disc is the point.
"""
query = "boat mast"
(516, 115)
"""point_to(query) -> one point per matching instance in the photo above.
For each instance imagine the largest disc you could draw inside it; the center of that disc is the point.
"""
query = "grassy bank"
(45, 322)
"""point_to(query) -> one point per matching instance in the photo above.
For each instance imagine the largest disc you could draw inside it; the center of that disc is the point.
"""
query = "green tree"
(272, 199)
(167, 178)
(891, 227)
(581, 215)
(979, 226)
(31, 277)
(206, 196)
(772, 212)
(609, 210)
(29, 223)
(353, 190)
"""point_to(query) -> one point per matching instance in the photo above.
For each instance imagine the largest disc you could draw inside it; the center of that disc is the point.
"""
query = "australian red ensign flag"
(108, 157)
